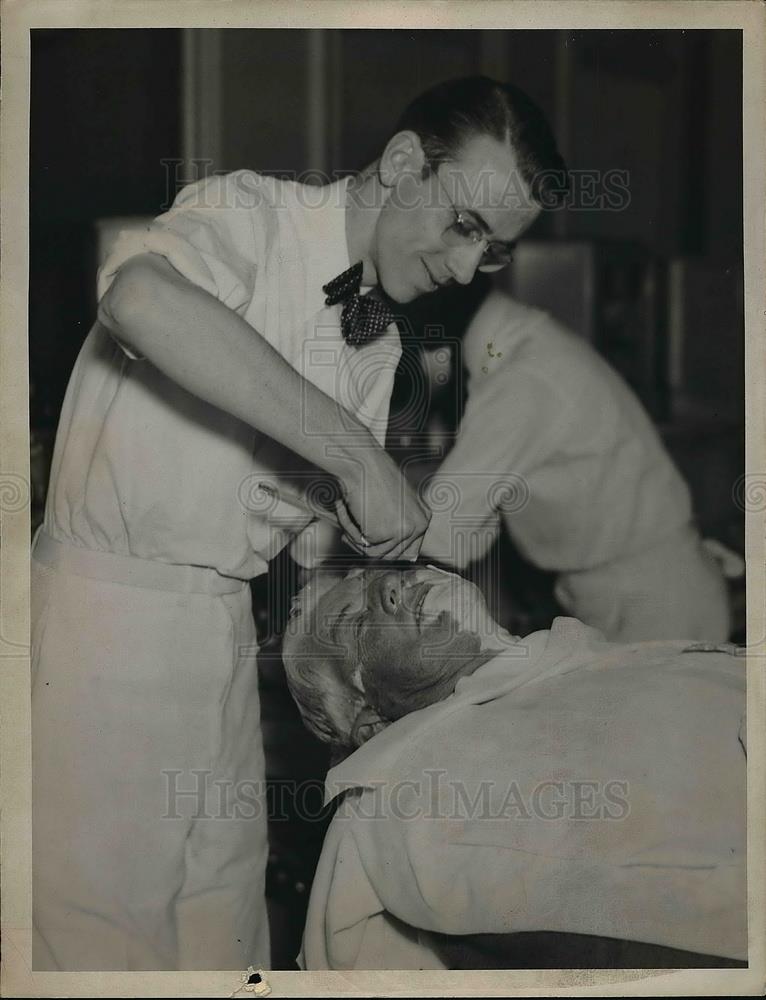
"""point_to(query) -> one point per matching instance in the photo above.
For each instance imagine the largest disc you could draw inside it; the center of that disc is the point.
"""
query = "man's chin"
(403, 293)
(421, 293)
(402, 298)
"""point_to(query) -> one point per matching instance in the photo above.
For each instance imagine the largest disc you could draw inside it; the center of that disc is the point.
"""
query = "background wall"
(113, 109)
(658, 104)
(104, 114)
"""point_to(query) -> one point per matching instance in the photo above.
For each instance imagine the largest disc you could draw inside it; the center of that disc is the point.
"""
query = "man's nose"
(463, 261)
(391, 593)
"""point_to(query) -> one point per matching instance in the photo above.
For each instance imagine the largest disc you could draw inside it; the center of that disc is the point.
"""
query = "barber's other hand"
(380, 513)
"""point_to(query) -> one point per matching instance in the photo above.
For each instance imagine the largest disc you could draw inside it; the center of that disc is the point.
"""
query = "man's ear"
(403, 155)
(366, 725)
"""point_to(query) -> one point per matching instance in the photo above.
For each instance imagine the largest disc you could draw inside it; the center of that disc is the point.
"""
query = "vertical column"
(335, 98)
(317, 118)
(201, 104)
(324, 101)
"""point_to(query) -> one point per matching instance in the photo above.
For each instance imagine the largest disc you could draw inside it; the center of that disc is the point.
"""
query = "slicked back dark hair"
(450, 113)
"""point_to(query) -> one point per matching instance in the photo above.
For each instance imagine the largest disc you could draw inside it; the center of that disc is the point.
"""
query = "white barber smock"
(144, 468)
(143, 640)
(555, 448)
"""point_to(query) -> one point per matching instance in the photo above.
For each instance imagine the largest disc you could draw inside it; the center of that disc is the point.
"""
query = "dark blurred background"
(122, 118)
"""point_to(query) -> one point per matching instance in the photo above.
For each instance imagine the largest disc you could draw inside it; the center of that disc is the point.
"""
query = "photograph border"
(18, 17)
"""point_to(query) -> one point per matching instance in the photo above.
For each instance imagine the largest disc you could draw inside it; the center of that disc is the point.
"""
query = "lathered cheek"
(401, 676)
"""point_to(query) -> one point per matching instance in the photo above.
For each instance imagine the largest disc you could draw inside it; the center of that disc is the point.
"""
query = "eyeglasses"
(463, 231)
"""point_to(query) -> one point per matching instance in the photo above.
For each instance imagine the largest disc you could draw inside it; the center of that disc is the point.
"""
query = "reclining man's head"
(364, 648)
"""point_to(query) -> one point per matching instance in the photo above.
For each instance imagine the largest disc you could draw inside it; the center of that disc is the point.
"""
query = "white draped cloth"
(581, 786)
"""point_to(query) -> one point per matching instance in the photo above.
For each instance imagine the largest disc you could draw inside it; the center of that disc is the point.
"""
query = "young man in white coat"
(234, 343)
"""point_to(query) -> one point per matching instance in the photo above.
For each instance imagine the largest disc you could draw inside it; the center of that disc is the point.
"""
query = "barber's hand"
(380, 514)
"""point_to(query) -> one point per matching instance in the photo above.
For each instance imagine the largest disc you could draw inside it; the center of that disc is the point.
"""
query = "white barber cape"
(556, 449)
(582, 787)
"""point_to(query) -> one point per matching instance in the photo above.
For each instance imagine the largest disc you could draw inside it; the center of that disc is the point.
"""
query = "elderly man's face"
(390, 640)
(401, 603)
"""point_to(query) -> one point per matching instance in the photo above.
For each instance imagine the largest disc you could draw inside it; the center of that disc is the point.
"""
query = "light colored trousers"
(149, 811)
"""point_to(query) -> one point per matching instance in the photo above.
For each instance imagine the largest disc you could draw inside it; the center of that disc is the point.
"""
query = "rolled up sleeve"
(208, 236)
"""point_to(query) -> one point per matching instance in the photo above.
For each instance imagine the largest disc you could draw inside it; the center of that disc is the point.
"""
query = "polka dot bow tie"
(364, 317)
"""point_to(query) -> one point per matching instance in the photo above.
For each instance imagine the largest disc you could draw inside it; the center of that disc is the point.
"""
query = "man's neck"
(498, 644)
(364, 199)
